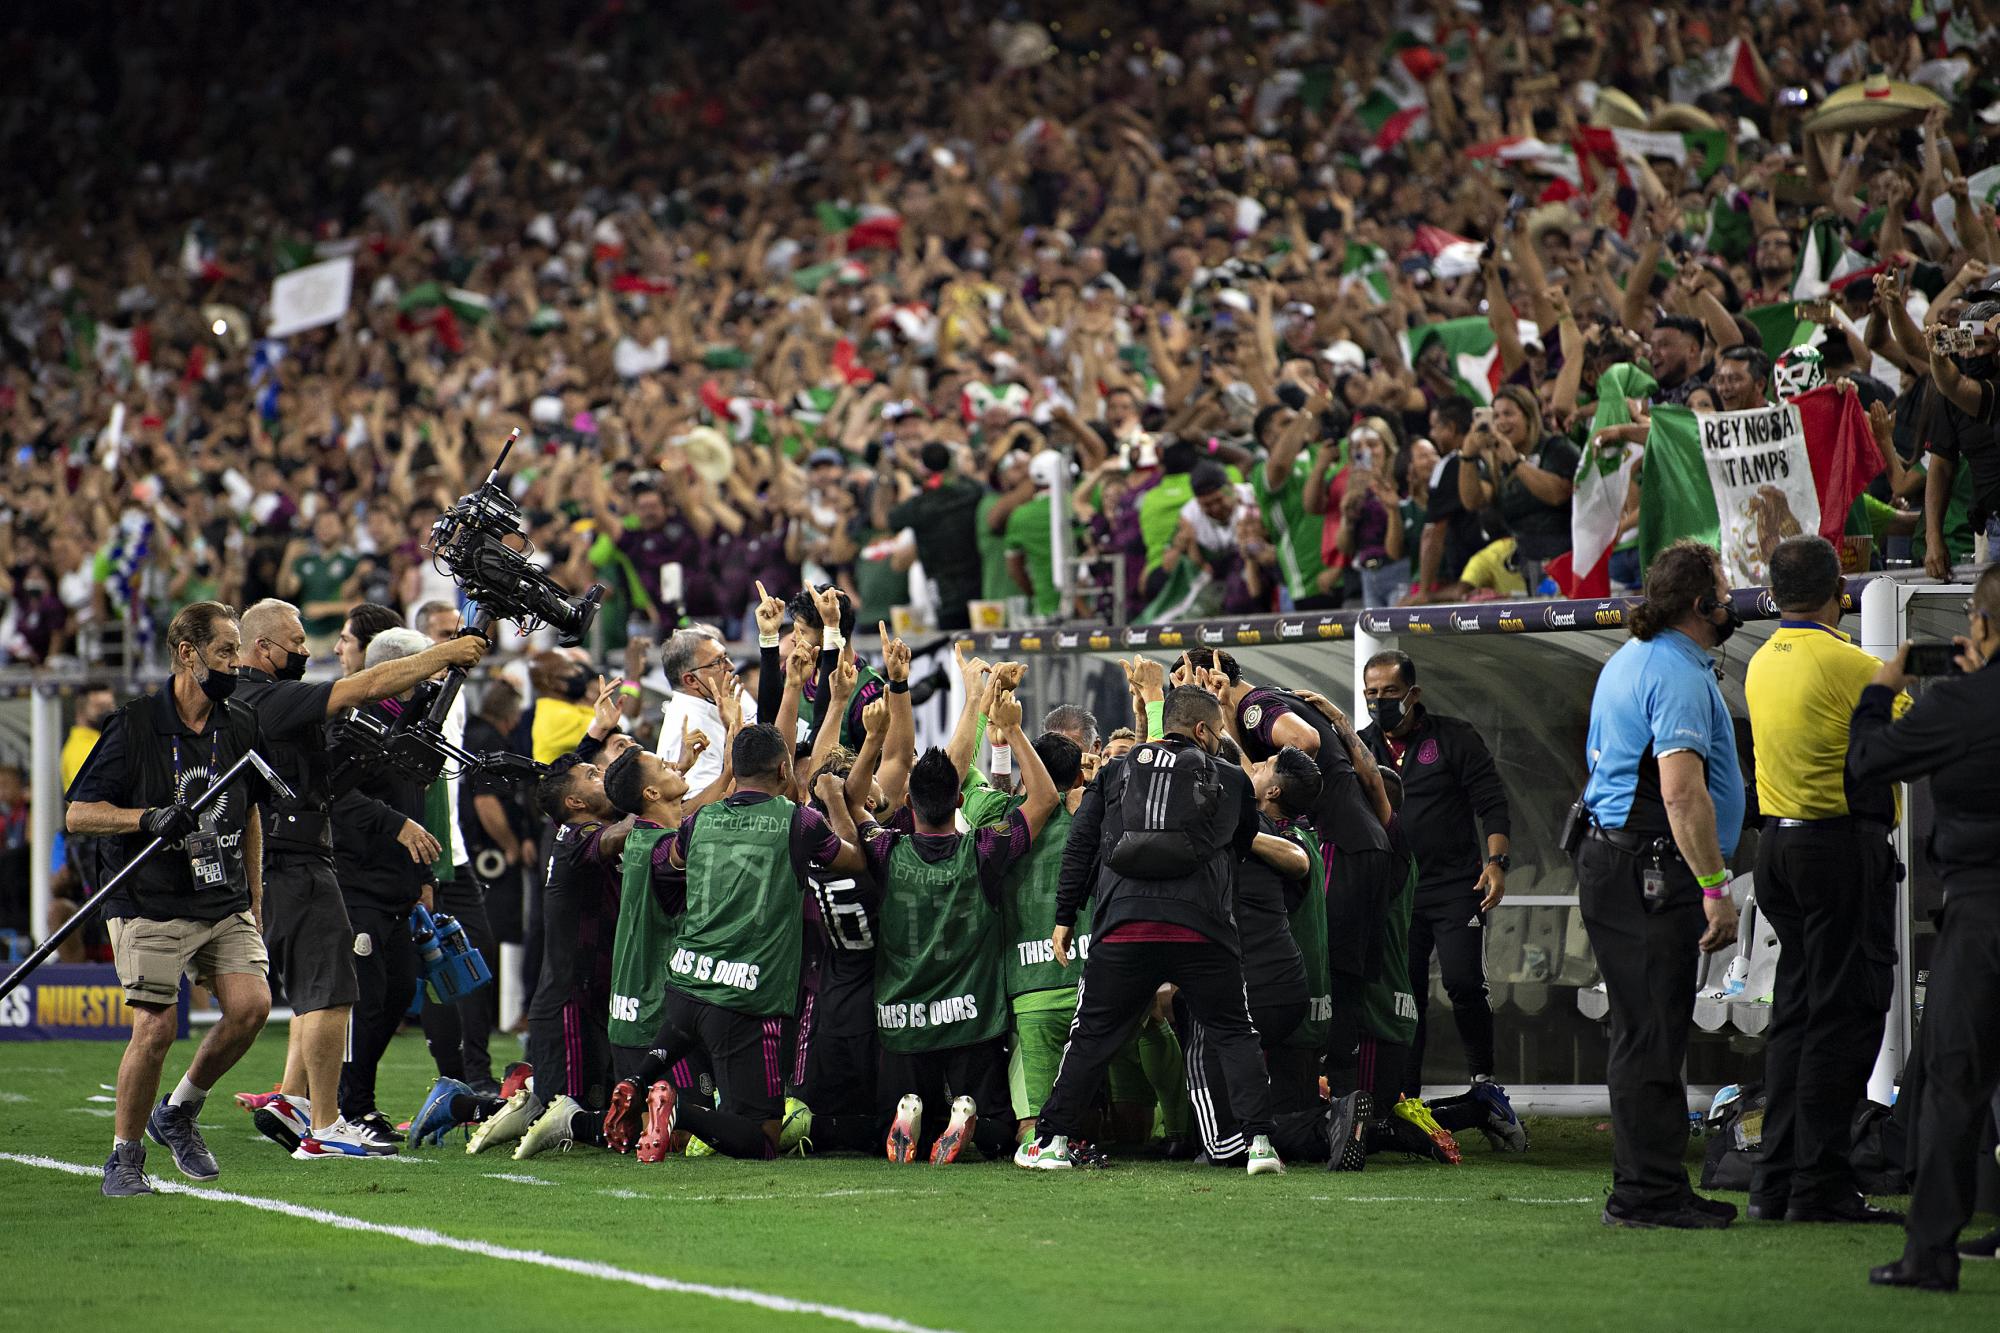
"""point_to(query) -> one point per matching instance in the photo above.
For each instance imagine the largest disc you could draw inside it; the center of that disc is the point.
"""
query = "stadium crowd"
(1242, 285)
(1279, 309)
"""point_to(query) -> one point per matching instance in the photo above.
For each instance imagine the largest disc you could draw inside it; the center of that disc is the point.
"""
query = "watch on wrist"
(1501, 859)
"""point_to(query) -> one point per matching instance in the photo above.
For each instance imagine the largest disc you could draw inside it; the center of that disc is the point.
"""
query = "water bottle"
(424, 930)
(1737, 976)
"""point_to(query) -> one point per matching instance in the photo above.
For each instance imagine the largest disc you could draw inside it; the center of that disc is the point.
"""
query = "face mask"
(218, 685)
(293, 667)
(576, 686)
(1388, 713)
(1729, 626)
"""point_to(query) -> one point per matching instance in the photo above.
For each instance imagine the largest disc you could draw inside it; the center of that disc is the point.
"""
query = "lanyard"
(214, 757)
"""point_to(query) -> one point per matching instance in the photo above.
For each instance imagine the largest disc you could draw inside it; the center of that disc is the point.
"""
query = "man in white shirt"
(697, 665)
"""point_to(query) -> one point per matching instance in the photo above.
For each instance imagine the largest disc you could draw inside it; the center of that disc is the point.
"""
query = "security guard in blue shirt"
(1652, 838)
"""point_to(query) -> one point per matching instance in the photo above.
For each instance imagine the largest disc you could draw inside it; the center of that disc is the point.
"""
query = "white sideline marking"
(13, 1097)
(1426, 1198)
(99, 1097)
(624, 1194)
(428, 1237)
(92, 1110)
(514, 1179)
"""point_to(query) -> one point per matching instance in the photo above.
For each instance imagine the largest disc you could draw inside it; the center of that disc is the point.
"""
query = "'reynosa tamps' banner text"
(1744, 481)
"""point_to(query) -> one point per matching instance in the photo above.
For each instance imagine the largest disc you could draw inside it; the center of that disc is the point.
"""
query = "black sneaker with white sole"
(1981, 1247)
(377, 1128)
(125, 1172)
(174, 1128)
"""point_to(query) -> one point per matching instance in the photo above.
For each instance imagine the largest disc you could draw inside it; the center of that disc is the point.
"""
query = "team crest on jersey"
(1253, 715)
(1427, 753)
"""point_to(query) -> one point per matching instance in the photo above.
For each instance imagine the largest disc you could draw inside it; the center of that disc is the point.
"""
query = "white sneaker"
(341, 1139)
(550, 1130)
(505, 1125)
(1264, 1160)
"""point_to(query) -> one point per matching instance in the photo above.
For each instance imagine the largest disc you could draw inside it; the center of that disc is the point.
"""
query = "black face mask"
(1388, 713)
(218, 685)
(576, 686)
(293, 667)
(1729, 626)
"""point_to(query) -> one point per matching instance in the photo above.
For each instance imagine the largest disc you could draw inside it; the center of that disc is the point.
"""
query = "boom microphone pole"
(66, 929)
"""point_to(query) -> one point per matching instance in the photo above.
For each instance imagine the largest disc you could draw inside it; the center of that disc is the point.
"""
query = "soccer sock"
(1460, 1112)
(470, 1109)
(587, 1127)
(117, 1143)
(670, 1045)
(728, 1134)
(185, 1091)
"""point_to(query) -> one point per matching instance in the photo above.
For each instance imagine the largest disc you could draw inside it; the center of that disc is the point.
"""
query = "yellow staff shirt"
(1802, 686)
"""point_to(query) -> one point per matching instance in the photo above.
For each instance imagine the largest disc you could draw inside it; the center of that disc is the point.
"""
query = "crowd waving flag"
(1603, 481)
(1744, 481)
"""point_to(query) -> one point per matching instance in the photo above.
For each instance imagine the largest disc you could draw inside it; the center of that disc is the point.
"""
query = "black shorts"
(571, 1052)
(837, 1051)
(307, 932)
(744, 1050)
(1359, 888)
(686, 1075)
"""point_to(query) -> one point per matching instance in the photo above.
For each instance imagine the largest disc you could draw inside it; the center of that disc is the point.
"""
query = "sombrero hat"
(709, 453)
(1877, 102)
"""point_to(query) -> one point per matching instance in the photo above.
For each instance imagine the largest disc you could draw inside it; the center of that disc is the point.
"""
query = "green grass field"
(1501, 1243)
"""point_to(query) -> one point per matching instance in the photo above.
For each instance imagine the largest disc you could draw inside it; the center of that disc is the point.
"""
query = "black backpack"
(1168, 798)
(1735, 1140)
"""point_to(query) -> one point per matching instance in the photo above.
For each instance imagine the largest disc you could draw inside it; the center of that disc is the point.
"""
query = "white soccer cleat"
(510, 1122)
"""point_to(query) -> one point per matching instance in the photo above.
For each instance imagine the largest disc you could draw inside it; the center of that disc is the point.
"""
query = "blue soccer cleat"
(434, 1119)
(1503, 1128)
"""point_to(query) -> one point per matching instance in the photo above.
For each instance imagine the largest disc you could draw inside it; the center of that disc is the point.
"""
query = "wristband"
(1156, 715)
(899, 686)
(831, 640)
(628, 689)
(1003, 759)
(1713, 886)
(767, 640)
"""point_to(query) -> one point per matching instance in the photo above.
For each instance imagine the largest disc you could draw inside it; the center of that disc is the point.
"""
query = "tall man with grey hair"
(457, 1033)
(697, 665)
(306, 926)
(1076, 722)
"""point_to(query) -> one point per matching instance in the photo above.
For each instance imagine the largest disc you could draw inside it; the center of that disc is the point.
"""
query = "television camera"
(480, 544)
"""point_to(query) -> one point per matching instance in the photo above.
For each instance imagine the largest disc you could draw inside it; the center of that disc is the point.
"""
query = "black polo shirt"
(292, 715)
(148, 756)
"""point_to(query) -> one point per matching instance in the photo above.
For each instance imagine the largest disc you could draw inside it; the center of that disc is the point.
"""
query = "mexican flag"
(428, 297)
(1369, 266)
(1471, 350)
(1603, 481)
(1742, 481)
(1451, 256)
(1393, 110)
(1826, 256)
(862, 227)
(1780, 327)
(1729, 231)
(1726, 66)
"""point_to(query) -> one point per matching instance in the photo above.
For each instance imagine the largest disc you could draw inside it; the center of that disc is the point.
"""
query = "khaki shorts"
(152, 956)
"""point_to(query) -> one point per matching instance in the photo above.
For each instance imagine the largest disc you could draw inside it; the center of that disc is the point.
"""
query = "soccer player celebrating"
(567, 1044)
(940, 991)
(822, 638)
(733, 976)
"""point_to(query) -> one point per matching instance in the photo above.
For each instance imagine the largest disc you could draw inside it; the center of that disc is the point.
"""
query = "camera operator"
(305, 923)
(1952, 736)
(458, 1032)
(194, 906)
(1665, 805)
(378, 884)
(499, 839)
(1826, 881)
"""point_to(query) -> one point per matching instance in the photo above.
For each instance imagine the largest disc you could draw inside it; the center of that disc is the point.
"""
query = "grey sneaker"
(125, 1172)
(174, 1128)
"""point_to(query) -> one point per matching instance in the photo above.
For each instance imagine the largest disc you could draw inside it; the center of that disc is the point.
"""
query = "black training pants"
(1118, 986)
(1648, 960)
(1960, 1050)
(1829, 891)
(1208, 1091)
(458, 1033)
(1456, 930)
(385, 974)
